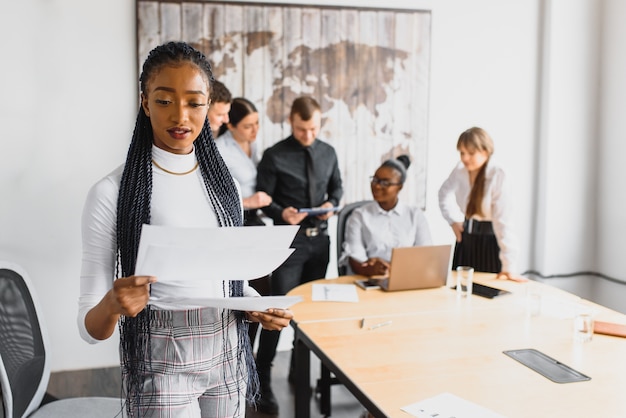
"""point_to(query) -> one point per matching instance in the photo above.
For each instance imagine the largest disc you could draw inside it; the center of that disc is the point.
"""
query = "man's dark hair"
(304, 107)
(219, 93)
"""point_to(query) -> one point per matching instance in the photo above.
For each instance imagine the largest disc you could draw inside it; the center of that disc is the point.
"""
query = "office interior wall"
(611, 190)
(69, 83)
(568, 117)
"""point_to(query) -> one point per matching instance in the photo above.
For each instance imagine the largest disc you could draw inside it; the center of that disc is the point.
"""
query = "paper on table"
(187, 254)
(334, 293)
(447, 405)
(247, 303)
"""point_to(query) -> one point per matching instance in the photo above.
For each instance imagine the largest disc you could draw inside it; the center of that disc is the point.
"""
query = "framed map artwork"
(368, 68)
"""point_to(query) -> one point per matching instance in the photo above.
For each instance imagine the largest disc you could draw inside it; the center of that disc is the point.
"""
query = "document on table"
(174, 254)
(334, 293)
(248, 303)
(447, 405)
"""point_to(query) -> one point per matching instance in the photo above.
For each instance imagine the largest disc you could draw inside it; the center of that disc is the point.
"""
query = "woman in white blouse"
(177, 359)
(475, 202)
(237, 145)
(373, 229)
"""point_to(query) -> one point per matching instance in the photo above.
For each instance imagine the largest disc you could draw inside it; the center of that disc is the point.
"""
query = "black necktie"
(310, 175)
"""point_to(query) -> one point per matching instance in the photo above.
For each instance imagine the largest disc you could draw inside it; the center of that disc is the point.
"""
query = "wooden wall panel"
(171, 22)
(368, 68)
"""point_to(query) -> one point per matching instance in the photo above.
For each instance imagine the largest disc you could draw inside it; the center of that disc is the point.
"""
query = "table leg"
(303, 377)
(323, 386)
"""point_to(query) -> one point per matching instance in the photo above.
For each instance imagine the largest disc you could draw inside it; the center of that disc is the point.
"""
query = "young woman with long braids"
(475, 202)
(177, 360)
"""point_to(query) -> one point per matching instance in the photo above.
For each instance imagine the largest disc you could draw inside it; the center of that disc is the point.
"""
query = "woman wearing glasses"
(375, 228)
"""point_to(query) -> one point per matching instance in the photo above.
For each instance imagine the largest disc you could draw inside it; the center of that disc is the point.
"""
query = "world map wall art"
(369, 69)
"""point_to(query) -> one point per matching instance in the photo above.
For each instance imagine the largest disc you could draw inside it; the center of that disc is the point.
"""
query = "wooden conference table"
(438, 343)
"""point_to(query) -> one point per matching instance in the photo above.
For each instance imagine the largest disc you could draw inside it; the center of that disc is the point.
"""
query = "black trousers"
(308, 262)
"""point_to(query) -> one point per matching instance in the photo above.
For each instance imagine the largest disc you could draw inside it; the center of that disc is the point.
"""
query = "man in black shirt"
(298, 172)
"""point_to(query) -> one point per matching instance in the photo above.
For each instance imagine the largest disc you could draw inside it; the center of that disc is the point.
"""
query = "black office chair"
(24, 364)
(342, 219)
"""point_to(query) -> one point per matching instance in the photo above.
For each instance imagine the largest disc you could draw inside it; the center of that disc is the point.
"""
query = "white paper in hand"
(190, 254)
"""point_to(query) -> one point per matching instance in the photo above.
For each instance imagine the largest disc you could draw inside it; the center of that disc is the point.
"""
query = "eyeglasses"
(382, 183)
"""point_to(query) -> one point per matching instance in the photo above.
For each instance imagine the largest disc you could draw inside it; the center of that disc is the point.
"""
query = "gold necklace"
(173, 172)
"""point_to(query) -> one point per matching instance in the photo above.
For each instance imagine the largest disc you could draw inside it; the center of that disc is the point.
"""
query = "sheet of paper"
(238, 304)
(188, 254)
(176, 264)
(334, 293)
(447, 405)
(278, 236)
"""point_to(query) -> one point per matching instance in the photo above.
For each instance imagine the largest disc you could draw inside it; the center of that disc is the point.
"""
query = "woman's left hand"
(505, 275)
(273, 319)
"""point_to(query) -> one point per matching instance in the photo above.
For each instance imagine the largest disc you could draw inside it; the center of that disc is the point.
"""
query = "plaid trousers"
(195, 369)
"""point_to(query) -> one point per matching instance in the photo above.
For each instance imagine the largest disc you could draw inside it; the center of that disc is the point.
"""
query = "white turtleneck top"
(180, 201)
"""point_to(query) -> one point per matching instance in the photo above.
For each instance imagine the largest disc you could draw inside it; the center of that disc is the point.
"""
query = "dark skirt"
(478, 248)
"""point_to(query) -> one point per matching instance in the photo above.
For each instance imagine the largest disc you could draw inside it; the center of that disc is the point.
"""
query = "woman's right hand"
(130, 295)
(376, 267)
(257, 200)
(457, 228)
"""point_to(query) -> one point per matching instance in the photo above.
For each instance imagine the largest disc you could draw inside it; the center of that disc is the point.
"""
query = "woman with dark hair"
(176, 360)
(373, 229)
(475, 202)
(237, 144)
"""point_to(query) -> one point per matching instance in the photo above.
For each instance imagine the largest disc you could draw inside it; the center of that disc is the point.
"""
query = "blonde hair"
(476, 139)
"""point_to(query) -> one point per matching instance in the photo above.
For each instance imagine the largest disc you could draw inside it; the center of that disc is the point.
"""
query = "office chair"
(24, 363)
(342, 219)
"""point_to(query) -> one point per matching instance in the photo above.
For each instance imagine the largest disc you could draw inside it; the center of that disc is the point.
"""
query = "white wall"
(569, 120)
(69, 88)
(611, 202)
(68, 81)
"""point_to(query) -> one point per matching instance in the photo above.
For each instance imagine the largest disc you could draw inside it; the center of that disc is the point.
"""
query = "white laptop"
(413, 268)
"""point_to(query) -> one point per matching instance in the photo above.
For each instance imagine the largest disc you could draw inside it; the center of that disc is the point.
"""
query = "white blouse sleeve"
(501, 218)
(99, 248)
(353, 244)
(422, 236)
(449, 193)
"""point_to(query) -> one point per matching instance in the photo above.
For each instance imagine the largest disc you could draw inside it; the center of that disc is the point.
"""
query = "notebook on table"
(413, 268)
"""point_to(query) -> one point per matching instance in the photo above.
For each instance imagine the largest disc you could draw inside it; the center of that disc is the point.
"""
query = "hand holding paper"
(273, 319)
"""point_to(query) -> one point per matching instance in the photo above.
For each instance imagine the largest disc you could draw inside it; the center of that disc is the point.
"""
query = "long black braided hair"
(133, 210)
